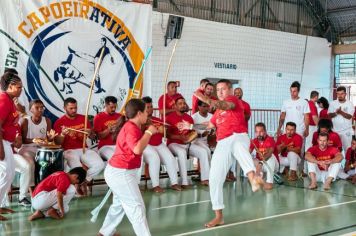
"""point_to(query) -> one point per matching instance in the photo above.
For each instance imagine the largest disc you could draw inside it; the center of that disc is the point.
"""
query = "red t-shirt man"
(102, 121)
(262, 146)
(156, 139)
(313, 112)
(173, 119)
(9, 117)
(326, 155)
(58, 180)
(247, 111)
(296, 141)
(334, 140)
(170, 101)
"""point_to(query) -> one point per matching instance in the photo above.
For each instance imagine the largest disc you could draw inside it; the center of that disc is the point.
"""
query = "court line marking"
(263, 218)
(178, 205)
(335, 230)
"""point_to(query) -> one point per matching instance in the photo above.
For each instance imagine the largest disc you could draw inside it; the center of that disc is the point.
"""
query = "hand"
(18, 141)
(338, 111)
(184, 125)
(306, 133)
(91, 133)
(152, 129)
(322, 164)
(51, 134)
(65, 131)
(205, 133)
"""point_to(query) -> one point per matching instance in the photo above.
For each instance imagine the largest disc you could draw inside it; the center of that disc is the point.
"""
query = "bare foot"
(230, 177)
(6, 211)
(327, 184)
(158, 189)
(36, 215)
(188, 186)
(53, 214)
(313, 186)
(256, 183)
(2, 218)
(268, 186)
(293, 176)
(215, 222)
(205, 182)
(176, 187)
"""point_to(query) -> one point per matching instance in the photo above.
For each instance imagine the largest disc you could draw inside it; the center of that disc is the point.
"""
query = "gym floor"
(289, 209)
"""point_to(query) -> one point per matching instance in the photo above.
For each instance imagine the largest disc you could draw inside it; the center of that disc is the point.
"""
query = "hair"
(291, 124)
(7, 79)
(104, 39)
(209, 84)
(200, 103)
(324, 101)
(353, 137)
(35, 101)
(178, 98)
(295, 84)
(133, 106)
(204, 81)
(11, 70)
(110, 99)
(172, 82)
(69, 100)
(314, 94)
(80, 172)
(324, 135)
(225, 81)
(341, 88)
(260, 124)
(325, 123)
(147, 99)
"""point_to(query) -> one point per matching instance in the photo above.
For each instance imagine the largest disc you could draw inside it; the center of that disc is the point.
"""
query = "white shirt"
(340, 123)
(199, 119)
(295, 111)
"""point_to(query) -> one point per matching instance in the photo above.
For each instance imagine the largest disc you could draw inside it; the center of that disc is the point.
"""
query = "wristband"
(148, 132)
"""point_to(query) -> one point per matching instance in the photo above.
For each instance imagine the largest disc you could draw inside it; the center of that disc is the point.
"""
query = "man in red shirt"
(51, 197)
(350, 165)
(105, 125)
(247, 109)
(206, 88)
(288, 147)
(325, 126)
(324, 162)
(264, 145)
(178, 143)
(72, 142)
(233, 142)
(171, 96)
(313, 118)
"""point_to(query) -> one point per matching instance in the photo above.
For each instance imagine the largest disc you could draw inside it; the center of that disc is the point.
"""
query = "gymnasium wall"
(266, 61)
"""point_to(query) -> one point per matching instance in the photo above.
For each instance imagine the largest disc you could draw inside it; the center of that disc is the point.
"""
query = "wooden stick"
(159, 122)
(77, 130)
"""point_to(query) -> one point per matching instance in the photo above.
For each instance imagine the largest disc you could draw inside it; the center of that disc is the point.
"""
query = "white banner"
(55, 47)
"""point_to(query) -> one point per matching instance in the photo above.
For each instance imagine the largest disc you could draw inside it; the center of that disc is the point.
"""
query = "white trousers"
(153, 155)
(107, 151)
(273, 165)
(228, 149)
(45, 200)
(180, 150)
(322, 175)
(7, 172)
(346, 138)
(91, 159)
(309, 139)
(25, 165)
(292, 160)
(351, 172)
(127, 199)
(203, 144)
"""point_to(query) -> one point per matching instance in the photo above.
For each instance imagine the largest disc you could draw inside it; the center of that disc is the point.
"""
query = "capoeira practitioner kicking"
(121, 172)
(233, 142)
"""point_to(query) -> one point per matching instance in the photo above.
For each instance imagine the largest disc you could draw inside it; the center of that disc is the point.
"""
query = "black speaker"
(174, 28)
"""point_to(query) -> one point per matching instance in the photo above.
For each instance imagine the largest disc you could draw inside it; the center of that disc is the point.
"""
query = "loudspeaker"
(174, 28)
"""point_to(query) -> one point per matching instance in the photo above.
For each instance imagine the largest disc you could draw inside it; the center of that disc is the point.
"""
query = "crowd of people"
(318, 143)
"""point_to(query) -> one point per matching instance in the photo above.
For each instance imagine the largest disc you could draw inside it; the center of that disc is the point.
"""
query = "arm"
(344, 114)
(142, 143)
(315, 119)
(2, 152)
(24, 131)
(294, 149)
(60, 203)
(332, 115)
(310, 158)
(337, 159)
(282, 117)
(167, 111)
(306, 123)
(217, 104)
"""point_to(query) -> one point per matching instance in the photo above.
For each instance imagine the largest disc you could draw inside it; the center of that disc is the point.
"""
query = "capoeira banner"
(55, 46)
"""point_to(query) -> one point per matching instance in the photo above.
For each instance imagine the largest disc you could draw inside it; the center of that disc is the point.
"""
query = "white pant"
(7, 172)
(107, 151)
(203, 143)
(127, 199)
(351, 172)
(228, 149)
(273, 165)
(25, 165)
(292, 160)
(322, 175)
(45, 200)
(309, 139)
(180, 150)
(346, 138)
(91, 159)
(152, 155)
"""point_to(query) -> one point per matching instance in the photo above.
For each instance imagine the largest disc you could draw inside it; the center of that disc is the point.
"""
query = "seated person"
(324, 162)
(325, 126)
(169, 102)
(201, 120)
(52, 196)
(289, 147)
(350, 164)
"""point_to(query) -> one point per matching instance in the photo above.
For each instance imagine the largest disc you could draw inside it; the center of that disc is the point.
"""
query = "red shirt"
(156, 139)
(73, 140)
(247, 111)
(313, 112)
(328, 154)
(58, 180)
(295, 141)
(101, 122)
(9, 117)
(323, 114)
(348, 155)
(170, 101)
(334, 140)
(195, 100)
(262, 146)
(126, 141)
(230, 121)
(173, 119)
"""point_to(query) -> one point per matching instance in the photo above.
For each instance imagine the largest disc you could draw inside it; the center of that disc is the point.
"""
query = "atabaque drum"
(48, 161)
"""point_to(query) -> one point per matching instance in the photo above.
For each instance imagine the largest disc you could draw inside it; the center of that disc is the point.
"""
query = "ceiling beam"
(342, 9)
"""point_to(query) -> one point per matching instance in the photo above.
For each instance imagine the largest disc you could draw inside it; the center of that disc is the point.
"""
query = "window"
(345, 68)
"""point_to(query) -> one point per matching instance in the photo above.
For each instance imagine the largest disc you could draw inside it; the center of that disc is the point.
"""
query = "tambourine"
(191, 136)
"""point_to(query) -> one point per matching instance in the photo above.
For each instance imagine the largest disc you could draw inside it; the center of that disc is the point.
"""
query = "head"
(314, 96)
(11, 70)
(323, 139)
(77, 175)
(325, 126)
(294, 90)
(238, 92)
(290, 129)
(260, 131)
(203, 108)
(209, 89)
(110, 104)
(353, 142)
(171, 88)
(11, 84)
(70, 107)
(223, 89)
(341, 93)
(149, 106)
(136, 109)
(103, 41)
(37, 107)
(203, 83)
(323, 103)
(181, 105)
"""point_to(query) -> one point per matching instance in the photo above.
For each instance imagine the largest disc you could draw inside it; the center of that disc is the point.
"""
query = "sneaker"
(25, 202)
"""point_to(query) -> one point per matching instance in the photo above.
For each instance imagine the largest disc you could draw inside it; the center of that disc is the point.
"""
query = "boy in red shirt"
(51, 197)
(121, 171)
(324, 162)
(171, 96)
(350, 165)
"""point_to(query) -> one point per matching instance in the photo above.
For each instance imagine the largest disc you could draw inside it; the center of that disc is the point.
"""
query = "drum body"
(47, 162)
